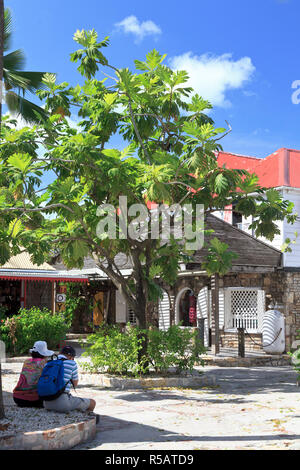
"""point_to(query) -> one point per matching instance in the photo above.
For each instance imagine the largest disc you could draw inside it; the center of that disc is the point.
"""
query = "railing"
(247, 321)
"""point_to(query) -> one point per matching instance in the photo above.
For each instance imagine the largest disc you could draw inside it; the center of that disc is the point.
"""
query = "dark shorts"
(28, 404)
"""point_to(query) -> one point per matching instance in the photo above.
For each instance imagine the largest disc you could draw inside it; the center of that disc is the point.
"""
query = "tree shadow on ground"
(159, 395)
(118, 431)
(228, 381)
(254, 380)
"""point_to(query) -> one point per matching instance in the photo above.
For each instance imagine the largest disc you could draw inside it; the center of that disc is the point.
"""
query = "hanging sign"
(60, 298)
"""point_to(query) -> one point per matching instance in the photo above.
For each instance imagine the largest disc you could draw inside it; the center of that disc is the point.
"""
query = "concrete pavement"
(248, 408)
(255, 408)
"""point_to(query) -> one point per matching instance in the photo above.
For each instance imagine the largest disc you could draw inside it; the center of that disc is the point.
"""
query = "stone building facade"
(280, 287)
(257, 274)
(257, 278)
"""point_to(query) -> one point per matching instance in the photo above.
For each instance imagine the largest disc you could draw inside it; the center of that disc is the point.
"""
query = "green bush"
(3, 313)
(175, 347)
(114, 352)
(118, 353)
(21, 331)
(295, 356)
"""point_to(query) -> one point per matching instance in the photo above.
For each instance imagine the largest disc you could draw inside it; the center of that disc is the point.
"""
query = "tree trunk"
(2, 415)
(141, 313)
(1, 79)
(1, 56)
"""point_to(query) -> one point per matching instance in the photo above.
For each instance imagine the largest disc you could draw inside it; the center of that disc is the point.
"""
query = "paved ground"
(250, 408)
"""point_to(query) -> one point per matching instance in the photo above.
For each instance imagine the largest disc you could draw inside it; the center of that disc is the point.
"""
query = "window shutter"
(227, 310)
(164, 312)
(203, 303)
(121, 308)
(203, 311)
(261, 307)
(221, 308)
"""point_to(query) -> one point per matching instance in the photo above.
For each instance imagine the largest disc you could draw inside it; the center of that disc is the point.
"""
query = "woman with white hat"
(25, 393)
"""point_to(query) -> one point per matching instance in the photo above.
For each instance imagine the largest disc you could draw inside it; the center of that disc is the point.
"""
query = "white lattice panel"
(244, 309)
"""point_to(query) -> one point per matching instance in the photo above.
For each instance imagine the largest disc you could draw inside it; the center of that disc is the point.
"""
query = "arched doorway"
(184, 302)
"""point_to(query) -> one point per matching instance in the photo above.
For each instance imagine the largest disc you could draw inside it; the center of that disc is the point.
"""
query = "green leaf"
(4, 253)
(154, 59)
(15, 227)
(20, 161)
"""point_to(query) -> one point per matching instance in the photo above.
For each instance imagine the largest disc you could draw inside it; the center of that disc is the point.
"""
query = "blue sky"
(242, 55)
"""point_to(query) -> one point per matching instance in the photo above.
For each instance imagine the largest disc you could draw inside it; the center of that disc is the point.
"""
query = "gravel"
(20, 420)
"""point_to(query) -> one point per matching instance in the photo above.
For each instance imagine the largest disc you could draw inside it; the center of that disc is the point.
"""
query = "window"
(131, 317)
(244, 308)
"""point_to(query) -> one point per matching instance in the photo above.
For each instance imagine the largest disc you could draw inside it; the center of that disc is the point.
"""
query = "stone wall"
(253, 342)
(280, 286)
(291, 305)
(61, 438)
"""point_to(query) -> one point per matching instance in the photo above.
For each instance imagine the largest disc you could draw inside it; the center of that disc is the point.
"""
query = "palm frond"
(29, 111)
(27, 81)
(7, 29)
(14, 61)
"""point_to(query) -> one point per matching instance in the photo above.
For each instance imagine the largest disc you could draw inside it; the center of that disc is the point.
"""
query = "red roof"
(281, 168)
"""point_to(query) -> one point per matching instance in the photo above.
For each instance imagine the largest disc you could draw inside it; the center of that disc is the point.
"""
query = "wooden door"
(98, 312)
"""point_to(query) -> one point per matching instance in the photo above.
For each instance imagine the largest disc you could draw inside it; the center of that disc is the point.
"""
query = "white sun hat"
(41, 348)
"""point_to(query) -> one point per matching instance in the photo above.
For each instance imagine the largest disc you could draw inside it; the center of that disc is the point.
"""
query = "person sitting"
(25, 393)
(67, 402)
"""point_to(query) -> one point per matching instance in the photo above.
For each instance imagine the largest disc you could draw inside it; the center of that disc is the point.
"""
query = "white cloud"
(131, 25)
(212, 76)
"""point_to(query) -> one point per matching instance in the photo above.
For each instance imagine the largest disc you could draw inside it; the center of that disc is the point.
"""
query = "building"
(280, 170)
(24, 284)
(260, 277)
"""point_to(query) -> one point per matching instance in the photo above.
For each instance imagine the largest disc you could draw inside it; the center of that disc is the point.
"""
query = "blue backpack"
(51, 383)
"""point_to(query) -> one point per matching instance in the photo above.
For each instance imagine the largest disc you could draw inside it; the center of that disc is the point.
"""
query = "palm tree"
(1, 77)
(14, 83)
(17, 82)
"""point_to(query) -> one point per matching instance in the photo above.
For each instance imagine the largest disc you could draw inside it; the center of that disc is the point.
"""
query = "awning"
(41, 276)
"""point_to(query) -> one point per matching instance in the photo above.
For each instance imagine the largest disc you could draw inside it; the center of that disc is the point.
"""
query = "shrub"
(114, 352)
(21, 331)
(3, 313)
(295, 356)
(175, 347)
(118, 353)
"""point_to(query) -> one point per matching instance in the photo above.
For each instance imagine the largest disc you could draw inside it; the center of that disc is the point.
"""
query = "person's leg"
(92, 405)
(61, 404)
(81, 404)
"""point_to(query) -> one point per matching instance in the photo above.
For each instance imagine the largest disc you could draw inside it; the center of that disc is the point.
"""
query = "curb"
(267, 361)
(62, 438)
(124, 383)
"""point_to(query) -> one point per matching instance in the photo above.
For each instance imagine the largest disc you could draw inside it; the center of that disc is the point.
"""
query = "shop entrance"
(10, 297)
(186, 308)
